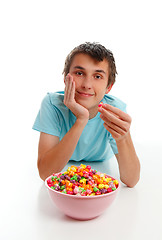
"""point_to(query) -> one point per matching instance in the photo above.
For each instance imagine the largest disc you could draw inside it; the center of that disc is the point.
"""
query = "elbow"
(40, 171)
(130, 182)
(44, 170)
(42, 176)
(131, 177)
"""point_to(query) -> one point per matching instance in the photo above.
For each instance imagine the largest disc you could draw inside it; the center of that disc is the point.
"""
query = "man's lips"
(85, 94)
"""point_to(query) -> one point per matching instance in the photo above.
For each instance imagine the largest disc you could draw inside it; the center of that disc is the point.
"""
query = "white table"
(27, 212)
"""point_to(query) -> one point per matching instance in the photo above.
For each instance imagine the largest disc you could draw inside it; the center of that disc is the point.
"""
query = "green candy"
(95, 189)
(53, 187)
(83, 191)
(62, 187)
(74, 178)
(113, 188)
(53, 178)
(64, 191)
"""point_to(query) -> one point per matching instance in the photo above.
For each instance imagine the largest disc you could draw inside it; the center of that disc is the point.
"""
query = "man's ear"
(109, 88)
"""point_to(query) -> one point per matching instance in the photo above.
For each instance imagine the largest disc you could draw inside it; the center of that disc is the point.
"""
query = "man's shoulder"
(55, 98)
(114, 101)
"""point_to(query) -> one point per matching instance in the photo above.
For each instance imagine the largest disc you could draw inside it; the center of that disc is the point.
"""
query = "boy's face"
(91, 80)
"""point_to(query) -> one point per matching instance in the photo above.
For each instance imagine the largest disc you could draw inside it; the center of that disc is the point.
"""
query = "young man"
(72, 124)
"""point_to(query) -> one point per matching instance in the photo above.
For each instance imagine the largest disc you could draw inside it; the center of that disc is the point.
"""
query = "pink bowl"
(82, 207)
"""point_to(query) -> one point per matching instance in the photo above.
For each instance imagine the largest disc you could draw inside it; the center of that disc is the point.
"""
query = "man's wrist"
(123, 139)
(81, 121)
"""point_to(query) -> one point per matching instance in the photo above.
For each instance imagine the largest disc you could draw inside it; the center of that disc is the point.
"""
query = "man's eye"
(98, 76)
(79, 73)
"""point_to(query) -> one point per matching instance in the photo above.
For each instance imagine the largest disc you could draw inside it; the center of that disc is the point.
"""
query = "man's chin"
(85, 105)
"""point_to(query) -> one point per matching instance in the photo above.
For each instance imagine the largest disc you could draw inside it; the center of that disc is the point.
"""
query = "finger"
(114, 127)
(112, 131)
(124, 116)
(112, 118)
(66, 89)
(73, 90)
(69, 85)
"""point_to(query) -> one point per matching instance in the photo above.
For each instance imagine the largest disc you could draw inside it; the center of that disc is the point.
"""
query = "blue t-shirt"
(95, 143)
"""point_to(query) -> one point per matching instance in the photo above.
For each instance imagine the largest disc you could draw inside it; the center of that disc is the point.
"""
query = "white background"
(35, 38)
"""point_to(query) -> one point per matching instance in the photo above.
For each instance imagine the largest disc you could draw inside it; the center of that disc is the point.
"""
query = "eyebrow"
(98, 70)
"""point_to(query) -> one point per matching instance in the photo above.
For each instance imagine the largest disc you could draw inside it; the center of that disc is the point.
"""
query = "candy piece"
(101, 186)
(64, 191)
(89, 191)
(98, 193)
(101, 104)
(88, 167)
(116, 182)
(76, 190)
(95, 189)
(83, 166)
(83, 180)
(53, 178)
(109, 190)
(70, 192)
(74, 178)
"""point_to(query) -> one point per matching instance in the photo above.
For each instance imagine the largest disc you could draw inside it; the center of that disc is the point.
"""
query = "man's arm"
(53, 154)
(118, 124)
(129, 165)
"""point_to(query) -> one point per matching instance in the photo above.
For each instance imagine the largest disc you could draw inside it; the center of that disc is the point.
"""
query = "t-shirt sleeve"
(122, 106)
(48, 120)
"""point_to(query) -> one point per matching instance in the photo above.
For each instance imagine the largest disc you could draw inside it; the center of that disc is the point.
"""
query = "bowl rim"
(83, 197)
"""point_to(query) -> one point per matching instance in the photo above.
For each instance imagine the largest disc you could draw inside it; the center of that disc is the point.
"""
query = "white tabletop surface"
(27, 212)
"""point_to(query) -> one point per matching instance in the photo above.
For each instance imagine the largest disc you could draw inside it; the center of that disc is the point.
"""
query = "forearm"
(55, 159)
(129, 165)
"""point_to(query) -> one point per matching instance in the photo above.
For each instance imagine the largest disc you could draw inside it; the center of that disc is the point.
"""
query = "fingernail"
(100, 109)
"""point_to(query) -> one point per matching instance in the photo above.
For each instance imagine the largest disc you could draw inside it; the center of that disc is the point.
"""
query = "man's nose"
(87, 82)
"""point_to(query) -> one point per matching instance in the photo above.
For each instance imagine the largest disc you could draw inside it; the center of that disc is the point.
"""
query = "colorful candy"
(82, 181)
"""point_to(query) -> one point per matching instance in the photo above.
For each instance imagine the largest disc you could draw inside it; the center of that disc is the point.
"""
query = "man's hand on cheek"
(69, 100)
(115, 120)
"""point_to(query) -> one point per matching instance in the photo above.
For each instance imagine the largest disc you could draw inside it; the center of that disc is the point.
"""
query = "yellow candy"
(106, 186)
(83, 180)
(83, 166)
(73, 168)
(100, 186)
(92, 194)
(116, 182)
(107, 180)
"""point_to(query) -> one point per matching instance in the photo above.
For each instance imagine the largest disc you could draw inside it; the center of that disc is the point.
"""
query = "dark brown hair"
(96, 51)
